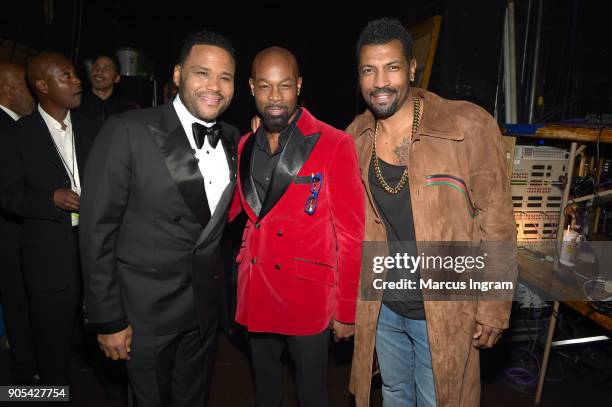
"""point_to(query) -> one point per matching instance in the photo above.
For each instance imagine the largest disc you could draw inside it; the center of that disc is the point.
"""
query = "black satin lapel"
(229, 147)
(184, 170)
(246, 180)
(220, 214)
(292, 159)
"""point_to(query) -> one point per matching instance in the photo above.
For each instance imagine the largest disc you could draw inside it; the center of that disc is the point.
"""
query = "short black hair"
(110, 55)
(205, 37)
(382, 31)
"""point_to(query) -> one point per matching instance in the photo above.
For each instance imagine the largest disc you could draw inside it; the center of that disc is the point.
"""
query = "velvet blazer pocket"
(314, 271)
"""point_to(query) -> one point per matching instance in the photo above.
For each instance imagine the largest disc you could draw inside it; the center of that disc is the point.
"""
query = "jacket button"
(257, 225)
(277, 266)
(176, 218)
(279, 233)
(254, 261)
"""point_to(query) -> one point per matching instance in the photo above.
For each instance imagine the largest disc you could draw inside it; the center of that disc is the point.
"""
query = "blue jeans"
(405, 361)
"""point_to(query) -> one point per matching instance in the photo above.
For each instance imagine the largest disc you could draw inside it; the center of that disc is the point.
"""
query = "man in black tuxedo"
(45, 158)
(159, 185)
(15, 102)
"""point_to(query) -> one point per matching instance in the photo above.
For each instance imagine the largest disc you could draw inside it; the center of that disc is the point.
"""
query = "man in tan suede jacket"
(437, 174)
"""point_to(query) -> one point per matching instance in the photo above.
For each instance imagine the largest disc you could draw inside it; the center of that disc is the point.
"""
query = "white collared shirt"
(63, 140)
(8, 111)
(212, 161)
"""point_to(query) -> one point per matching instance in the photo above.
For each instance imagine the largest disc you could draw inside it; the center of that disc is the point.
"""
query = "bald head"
(53, 79)
(276, 84)
(10, 73)
(274, 57)
(14, 93)
(41, 66)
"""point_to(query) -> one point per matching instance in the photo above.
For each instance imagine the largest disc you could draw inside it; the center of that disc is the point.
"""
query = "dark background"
(576, 44)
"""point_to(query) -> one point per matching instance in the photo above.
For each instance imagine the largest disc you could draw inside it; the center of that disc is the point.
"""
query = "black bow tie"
(200, 131)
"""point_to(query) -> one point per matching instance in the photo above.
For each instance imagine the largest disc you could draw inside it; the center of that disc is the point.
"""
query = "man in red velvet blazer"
(299, 263)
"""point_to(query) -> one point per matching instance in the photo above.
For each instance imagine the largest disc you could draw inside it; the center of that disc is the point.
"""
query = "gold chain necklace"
(404, 179)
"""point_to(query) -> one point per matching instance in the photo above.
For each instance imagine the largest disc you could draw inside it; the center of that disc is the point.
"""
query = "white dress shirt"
(8, 111)
(212, 161)
(63, 139)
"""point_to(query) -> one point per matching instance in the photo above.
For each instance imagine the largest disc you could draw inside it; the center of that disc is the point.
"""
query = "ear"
(41, 86)
(413, 67)
(176, 77)
(8, 90)
(252, 86)
(299, 84)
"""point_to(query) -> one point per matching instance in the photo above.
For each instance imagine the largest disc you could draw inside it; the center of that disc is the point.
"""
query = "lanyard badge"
(316, 180)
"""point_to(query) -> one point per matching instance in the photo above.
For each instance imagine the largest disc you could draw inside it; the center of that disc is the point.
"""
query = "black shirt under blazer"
(149, 247)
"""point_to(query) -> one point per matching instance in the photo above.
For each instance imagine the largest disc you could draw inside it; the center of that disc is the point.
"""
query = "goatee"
(275, 123)
(382, 112)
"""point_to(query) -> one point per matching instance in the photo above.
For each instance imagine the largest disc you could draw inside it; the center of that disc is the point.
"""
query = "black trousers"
(17, 315)
(309, 354)
(172, 370)
(53, 310)
(53, 319)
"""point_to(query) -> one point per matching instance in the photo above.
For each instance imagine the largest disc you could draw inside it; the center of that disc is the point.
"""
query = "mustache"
(275, 106)
(383, 91)
(215, 94)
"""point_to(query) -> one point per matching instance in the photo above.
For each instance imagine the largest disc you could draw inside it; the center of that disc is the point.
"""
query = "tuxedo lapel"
(182, 164)
(229, 147)
(228, 141)
(246, 180)
(220, 213)
(294, 155)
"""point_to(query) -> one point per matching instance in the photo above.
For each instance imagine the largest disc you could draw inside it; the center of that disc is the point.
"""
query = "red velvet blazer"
(298, 270)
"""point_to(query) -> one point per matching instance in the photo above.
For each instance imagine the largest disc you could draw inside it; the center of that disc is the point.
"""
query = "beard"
(382, 112)
(275, 123)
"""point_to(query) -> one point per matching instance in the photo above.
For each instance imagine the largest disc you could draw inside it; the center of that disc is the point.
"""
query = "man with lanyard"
(49, 150)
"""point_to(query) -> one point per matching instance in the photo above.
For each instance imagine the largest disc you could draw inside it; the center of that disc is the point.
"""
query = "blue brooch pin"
(316, 180)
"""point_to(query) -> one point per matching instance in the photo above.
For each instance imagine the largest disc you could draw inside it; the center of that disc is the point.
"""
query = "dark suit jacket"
(10, 225)
(151, 256)
(33, 171)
